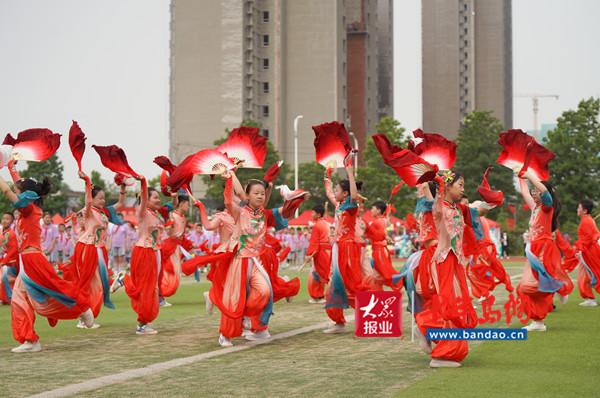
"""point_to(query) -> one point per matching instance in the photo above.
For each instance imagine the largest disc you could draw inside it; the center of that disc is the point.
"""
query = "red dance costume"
(382, 259)
(170, 253)
(588, 246)
(319, 247)
(141, 285)
(37, 287)
(9, 264)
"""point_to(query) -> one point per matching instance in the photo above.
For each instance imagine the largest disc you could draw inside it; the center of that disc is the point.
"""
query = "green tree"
(379, 179)
(56, 201)
(477, 149)
(310, 178)
(214, 193)
(576, 169)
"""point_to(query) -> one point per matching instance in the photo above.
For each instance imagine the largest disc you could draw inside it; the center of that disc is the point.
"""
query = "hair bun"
(44, 187)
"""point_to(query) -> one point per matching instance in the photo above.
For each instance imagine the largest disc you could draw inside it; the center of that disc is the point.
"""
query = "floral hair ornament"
(448, 176)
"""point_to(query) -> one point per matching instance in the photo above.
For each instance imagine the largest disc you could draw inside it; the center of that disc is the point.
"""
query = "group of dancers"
(456, 263)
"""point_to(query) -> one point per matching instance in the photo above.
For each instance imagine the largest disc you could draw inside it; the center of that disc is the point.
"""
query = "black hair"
(345, 185)
(380, 204)
(555, 204)
(457, 176)
(433, 188)
(319, 209)
(182, 198)
(150, 190)
(9, 214)
(220, 207)
(252, 183)
(41, 188)
(587, 205)
(95, 191)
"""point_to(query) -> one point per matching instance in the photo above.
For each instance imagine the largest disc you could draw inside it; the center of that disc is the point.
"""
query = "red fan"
(410, 168)
(487, 194)
(34, 144)
(121, 179)
(165, 163)
(114, 159)
(206, 161)
(520, 150)
(332, 144)
(292, 200)
(163, 183)
(273, 171)
(246, 145)
(435, 149)
(77, 142)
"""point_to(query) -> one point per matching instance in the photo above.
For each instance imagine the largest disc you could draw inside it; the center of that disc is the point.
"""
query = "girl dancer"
(37, 287)
(141, 285)
(541, 275)
(588, 244)
(319, 251)
(346, 278)
(9, 263)
(89, 264)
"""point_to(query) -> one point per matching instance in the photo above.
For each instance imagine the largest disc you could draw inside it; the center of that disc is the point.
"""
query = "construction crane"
(535, 99)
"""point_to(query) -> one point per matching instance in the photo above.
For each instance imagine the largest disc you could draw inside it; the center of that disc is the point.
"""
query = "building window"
(265, 19)
(265, 132)
(266, 40)
(265, 63)
(266, 87)
(265, 110)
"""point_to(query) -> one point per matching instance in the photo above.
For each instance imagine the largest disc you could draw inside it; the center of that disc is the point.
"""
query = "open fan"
(434, 148)
(410, 167)
(206, 161)
(273, 171)
(520, 150)
(332, 144)
(245, 145)
(33, 144)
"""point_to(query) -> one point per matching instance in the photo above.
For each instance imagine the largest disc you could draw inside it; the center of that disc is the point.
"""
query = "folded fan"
(245, 145)
(114, 159)
(77, 142)
(487, 194)
(332, 144)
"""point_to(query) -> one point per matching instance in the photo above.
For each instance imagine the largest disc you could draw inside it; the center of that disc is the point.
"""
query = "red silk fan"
(114, 159)
(77, 143)
(520, 150)
(246, 145)
(206, 161)
(33, 144)
(487, 194)
(410, 167)
(164, 163)
(435, 149)
(121, 179)
(292, 200)
(273, 171)
(332, 144)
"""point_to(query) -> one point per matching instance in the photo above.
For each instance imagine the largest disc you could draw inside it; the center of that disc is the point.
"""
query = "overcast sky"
(106, 65)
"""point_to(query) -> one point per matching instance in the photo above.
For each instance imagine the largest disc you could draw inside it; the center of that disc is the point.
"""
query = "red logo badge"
(378, 314)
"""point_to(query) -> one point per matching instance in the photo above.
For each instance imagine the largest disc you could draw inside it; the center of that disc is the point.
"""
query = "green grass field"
(557, 363)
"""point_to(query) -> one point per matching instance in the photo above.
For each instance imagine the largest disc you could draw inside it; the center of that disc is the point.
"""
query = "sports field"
(558, 363)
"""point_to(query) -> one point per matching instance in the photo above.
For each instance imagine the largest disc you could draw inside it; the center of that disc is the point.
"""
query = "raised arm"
(525, 193)
(238, 189)
(6, 191)
(352, 183)
(268, 192)
(329, 189)
(14, 174)
(121, 202)
(88, 193)
(439, 198)
(210, 225)
(423, 191)
(229, 199)
(143, 196)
